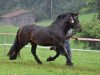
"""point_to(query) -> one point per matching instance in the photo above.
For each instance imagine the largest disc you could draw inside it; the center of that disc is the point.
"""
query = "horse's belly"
(45, 42)
(42, 37)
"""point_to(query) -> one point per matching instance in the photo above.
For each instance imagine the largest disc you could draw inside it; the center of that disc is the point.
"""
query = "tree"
(98, 9)
(92, 6)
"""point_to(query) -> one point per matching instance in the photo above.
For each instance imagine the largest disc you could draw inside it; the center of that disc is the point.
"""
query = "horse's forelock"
(74, 14)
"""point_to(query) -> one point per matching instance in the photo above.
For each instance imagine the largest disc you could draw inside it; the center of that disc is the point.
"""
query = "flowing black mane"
(61, 22)
(58, 19)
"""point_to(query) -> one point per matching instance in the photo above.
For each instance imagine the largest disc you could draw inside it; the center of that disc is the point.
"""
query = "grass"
(8, 29)
(85, 63)
(45, 23)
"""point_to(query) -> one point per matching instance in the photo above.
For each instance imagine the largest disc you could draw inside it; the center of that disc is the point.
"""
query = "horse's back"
(36, 34)
(24, 32)
(42, 36)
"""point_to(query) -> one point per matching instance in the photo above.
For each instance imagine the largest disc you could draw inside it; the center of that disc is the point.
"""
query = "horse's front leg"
(54, 57)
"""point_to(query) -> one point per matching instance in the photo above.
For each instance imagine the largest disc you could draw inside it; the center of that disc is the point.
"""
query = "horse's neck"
(65, 25)
(65, 29)
(61, 25)
(61, 28)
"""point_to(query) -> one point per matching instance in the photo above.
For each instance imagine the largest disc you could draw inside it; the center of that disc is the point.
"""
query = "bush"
(91, 29)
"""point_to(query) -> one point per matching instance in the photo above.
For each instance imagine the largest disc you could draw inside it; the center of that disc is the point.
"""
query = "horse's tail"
(14, 46)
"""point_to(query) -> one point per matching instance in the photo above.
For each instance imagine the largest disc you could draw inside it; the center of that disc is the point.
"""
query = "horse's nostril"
(79, 29)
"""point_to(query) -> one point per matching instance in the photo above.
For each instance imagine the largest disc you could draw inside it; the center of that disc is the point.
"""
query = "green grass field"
(85, 63)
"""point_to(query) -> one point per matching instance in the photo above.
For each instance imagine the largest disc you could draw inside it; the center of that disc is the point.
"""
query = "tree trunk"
(98, 8)
(48, 7)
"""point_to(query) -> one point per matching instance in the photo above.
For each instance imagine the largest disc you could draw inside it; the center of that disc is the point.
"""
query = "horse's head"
(68, 21)
(74, 22)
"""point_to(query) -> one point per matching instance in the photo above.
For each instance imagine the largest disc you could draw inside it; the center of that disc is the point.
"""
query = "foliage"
(41, 8)
(90, 6)
(91, 30)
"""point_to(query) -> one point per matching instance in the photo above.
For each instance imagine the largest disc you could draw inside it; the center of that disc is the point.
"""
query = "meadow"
(85, 63)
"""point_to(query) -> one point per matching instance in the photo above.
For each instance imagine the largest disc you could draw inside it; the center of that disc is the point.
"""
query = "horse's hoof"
(50, 59)
(70, 64)
(12, 58)
(53, 48)
(39, 62)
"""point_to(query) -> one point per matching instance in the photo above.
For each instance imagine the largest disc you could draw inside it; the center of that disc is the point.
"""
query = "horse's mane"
(58, 19)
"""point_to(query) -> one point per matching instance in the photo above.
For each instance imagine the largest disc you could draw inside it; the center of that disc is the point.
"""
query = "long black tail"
(14, 46)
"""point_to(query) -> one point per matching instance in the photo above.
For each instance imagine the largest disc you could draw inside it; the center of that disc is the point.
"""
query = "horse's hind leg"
(54, 57)
(33, 50)
(17, 46)
(15, 50)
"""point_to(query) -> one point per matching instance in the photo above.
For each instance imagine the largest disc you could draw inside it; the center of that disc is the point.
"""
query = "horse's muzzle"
(78, 28)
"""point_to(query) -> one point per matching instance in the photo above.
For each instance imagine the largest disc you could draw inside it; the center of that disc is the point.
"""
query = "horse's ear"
(74, 14)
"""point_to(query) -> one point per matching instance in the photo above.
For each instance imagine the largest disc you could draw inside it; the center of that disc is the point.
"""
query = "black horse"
(53, 35)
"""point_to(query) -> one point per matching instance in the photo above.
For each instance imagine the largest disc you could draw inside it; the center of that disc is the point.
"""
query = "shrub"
(91, 29)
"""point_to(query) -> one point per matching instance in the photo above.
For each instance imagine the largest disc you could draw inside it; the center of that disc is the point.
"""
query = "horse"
(52, 35)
